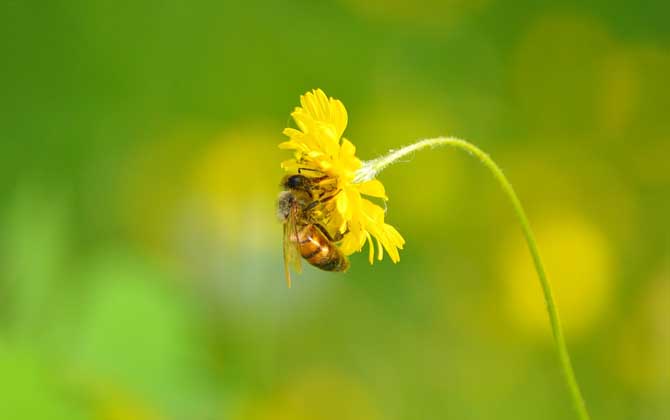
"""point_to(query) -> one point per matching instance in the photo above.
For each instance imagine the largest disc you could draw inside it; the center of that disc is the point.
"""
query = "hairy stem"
(371, 168)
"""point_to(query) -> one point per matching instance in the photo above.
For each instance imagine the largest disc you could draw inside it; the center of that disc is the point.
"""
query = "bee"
(303, 236)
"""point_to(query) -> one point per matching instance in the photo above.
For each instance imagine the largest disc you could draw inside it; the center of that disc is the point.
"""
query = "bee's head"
(296, 182)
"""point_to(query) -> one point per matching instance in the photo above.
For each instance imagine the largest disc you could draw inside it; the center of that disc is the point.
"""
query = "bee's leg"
(320, 179)
(315, 203)
(340, 235)
(330, 197)
(333, 238)
(324, 231)
(324, 180)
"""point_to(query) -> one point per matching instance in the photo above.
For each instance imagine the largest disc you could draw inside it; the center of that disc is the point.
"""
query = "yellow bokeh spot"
(197, 182)
(641, 355)
(115, 403)
(233, 187)
(323, 395)
(151, 186)
(579, 266)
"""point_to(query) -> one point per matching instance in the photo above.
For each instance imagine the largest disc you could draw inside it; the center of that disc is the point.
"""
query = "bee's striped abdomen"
(319, 251)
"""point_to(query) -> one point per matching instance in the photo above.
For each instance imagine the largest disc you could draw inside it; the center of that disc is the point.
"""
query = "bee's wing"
(292, 257)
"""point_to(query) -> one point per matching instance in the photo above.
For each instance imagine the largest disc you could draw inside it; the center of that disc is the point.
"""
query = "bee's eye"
(294, 181)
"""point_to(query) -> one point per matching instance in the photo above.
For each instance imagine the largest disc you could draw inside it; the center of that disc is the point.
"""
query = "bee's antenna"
(308, 169)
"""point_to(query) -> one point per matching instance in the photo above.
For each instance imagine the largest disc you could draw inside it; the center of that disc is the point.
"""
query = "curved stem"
(371, 168)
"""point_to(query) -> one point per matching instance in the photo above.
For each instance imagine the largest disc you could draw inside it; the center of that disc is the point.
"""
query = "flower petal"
(371, 252)
(342, 204)
(292, 132)
(373, 188)
(347, 149)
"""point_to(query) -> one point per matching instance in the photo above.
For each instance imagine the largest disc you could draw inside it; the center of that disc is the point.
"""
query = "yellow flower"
(320, 148)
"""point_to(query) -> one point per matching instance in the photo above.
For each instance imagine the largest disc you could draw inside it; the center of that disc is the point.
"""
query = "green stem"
(371, 168)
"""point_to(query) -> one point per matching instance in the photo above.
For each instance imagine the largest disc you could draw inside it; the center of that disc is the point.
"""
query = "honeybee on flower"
(333, 201)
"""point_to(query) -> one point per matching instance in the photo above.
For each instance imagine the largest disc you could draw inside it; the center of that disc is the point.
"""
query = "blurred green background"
(140, 259)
